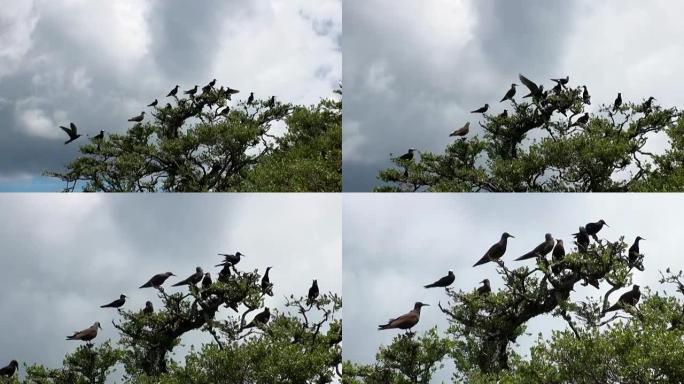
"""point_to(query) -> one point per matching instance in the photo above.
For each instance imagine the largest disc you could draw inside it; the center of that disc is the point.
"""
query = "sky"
(65, 255)
(393, 244)
(97, 63)
(413, 71)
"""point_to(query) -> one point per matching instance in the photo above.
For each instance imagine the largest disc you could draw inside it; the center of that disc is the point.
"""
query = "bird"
(10, 369)
(561, 81)
(535, 90)
(87, 334)
(206, 281)
(618, 102)
(224, 111)
(509, 95)
(191, 91)
(261, 318)
(408, 156)
(230, 259)
(173, 92)
(557, 256)
(540, 250)
(444, 281)
(481, 110)
(485, 289)
(250, 99)
(271, 101)
(225, 272)
(461, 131)
(405, 321)
(495, 251)
(628, 298)
(118, 303)
(582, 120)
(229, 91)
(503, 114)
(153, 104)
(192, 279)
(157, 280)
(646, 106)
(149, 308)
(138, 118)
(266, 282)
(581, 239)
(594, 228)
(209, 86)
(633, 253)
(313, 293)
(99, 137)
(72, 131)
(586, 99)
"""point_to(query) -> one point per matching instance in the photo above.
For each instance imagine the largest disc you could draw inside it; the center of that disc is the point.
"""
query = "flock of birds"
(549, 245)
(199, 277)
(540, 98)
(72, 130)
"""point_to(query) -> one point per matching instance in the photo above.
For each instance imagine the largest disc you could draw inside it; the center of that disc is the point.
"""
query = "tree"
(299, 345)
(543, 145)
(636, 344)
(202, 144)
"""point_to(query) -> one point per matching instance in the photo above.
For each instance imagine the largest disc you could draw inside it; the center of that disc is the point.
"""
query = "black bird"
(558, 88)
(586, 99)
(461, 131)
(581, 239)
(209, 86)
(557, 256)
(485, 289)
(618, 102)
(118, 303)
(98, 138)
(634, 250)
(191, 91)
(149, 308)
(495, 251)
(313, 293)
(173, 92)
(261, 318)
(406, 321)
(87, 334)
(157, 280)
(535, 90)
(594, 228)
(224, 111)
(266, 282)
(72, 131)
(192, 279)
(153, 104)
(540, 250)
(408, 156)
(504, 114)
(509, 95)
(628, 298)
(229, 259)
(271, 101)
(225, 272)
(582, 120)
(206, 281)
(481, 110)
(561, 81)
(230, 91)
(138, 118)
(444, 281)
(250, 99)
(10, 369)
(646, 106)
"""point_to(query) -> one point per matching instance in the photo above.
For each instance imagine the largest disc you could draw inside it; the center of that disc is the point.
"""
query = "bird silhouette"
(485, 289)
(495, 251)
(461, 131)
(191, 91)
(444, 281)
(628, 298)
(192, 279)
(138, 118)
(72, 131)
(261, 318)
(481, 110)
(633, 253)
(561, 81)
(405, 321)
(153, 104)
(87, 334)
(230, 259)
(9, 369)
(618, 102)
(149, 308)
(173, 92)
(313, 293)
(557, 256)
(157, 280)
(586, 98)
(540, 250)
(408, 156)
(250, 99)
(509, 95)
(118, 303)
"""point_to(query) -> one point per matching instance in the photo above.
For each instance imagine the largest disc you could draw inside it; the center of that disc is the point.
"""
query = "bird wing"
(67, 130)
(534, 89)
(73, 127)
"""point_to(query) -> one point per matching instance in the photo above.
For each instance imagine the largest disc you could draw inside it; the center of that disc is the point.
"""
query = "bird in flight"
(72, 131)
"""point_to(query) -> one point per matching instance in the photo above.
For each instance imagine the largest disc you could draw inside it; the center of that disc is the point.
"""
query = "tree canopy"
(550, 142)
(606, 339)
(203, 143)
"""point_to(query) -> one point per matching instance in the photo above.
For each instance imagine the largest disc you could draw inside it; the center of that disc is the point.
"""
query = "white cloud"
(17, 22)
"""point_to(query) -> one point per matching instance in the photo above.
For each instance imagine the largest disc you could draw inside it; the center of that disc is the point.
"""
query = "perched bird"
(633, 253)
(558, 88)
(157, 280)
(230, 91)
(266, 282)
(586, 99)
(192, 279)
(72, 131)
(153, 104)
(224, 111)
(10, 369)
(230, 259)
(261, 318)
(618, 102)
(509, 95)
(191, 91)
(250, 99)
(561, 81)
(582, 120)
(485, 289)
(503, 114)
(481, 110)
(149, 308)
(646, 106)
(225, 272)
(557, 256)
(535, 90)
(98, 138)
(628, 298)
(87, 334)
(206, 281)
(581, 239)
(118, 303)
(406, 321)
(594, 228)
(461, 131)
(138, 118)
(540, 250)
(444, 281)
(173, 92)
(408, 156)
(313, 293)
(271, 101)
(209, 86)
(495, 251)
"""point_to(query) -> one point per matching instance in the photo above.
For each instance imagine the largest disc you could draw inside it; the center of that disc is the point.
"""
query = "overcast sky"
(65, 255)
(97, 63)
(414, 70)
(394, 244)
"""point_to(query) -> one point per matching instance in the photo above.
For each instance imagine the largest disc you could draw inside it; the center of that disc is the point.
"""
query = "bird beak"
(99, 326)
(511, 236)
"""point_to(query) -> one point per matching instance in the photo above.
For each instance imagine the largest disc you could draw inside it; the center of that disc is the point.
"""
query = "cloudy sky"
(414, 240)
(414, 70)
(65, 255)
(97, 63)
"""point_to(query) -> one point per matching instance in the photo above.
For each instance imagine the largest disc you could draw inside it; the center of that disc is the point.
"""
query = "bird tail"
(383, 327)
(481, 261)
(430, 285)
(179, 284)
(526, 256)
(145, 286)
